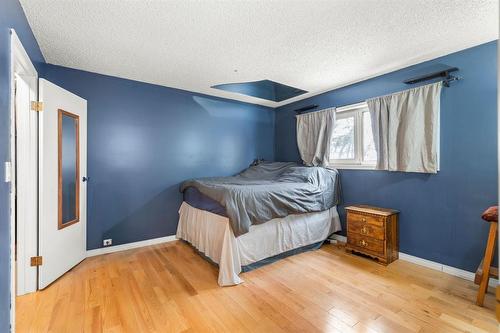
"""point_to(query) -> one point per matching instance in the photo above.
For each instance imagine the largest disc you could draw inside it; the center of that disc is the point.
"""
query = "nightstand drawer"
(360, 218)
(366, 229)
(373, 245)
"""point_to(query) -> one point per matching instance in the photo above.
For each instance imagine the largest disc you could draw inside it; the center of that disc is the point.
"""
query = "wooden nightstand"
(373, 231)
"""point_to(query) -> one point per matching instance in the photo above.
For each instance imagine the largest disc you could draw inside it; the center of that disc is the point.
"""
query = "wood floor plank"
(171, 288)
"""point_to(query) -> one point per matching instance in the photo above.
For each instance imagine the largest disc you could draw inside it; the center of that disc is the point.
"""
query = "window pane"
(342, 147)
(369, 152)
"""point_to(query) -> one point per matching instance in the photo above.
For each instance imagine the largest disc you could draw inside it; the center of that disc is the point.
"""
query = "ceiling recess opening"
(265, 89)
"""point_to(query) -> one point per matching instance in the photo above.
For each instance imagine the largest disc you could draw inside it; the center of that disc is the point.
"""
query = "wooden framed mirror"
(69, 169)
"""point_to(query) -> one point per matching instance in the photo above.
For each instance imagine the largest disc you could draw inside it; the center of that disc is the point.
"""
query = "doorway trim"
(27, 231)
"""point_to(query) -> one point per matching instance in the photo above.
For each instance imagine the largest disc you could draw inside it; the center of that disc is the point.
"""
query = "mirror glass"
(69, 178)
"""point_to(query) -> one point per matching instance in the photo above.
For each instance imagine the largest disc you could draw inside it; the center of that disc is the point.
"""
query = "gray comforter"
(270, 190)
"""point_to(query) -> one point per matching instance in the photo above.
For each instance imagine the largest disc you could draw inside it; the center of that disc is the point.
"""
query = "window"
(352, 145)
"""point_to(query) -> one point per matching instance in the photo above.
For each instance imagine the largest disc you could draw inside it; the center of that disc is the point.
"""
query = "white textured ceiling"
(311, 45)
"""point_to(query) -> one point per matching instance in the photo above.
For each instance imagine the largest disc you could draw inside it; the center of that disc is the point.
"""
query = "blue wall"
(440, 214)
(143, 140)
(11, 16)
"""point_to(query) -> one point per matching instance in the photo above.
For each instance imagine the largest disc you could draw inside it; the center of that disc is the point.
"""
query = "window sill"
(353, 166)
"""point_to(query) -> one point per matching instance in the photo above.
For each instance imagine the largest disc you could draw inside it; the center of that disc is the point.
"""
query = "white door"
(63, 193)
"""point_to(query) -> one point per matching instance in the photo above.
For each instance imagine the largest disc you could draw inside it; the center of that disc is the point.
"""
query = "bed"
(267, 212)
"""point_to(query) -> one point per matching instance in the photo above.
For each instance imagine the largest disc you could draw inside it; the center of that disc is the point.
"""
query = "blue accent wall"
(11, 16)
(143, 140)
(440, 214)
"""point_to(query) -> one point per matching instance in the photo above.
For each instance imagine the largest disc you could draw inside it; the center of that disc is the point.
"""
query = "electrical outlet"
(107, 242)
(8, 172)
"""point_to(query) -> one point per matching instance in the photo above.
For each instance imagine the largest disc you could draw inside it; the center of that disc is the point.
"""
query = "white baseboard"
(128, 246)
(430, 264)
(443, 268)
(421, 261)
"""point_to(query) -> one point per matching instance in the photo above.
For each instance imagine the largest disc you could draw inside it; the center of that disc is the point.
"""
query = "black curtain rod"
(445, 74)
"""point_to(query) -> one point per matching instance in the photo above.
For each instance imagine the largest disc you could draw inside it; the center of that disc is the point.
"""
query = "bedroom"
(351, 148)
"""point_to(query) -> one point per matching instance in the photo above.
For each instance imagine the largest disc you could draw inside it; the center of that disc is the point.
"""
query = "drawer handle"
(363, 243)
(364, 230)
(363, 219)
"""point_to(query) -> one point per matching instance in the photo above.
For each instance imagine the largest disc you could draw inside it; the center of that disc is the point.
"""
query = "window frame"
(356, 111)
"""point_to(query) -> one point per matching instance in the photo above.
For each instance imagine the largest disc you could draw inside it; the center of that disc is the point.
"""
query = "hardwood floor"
(170, 288)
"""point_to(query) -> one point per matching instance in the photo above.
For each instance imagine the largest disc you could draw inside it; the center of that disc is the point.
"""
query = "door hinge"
(36, 106)
(36, 261)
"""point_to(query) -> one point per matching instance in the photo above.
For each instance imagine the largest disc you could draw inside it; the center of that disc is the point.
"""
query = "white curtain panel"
(314, 135)
(406, 129)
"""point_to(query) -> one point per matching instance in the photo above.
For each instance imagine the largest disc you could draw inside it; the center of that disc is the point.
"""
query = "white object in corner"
(338, 238)
(129, 246)
(430, 264)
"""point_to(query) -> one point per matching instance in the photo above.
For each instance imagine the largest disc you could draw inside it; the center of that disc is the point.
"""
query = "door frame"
(20, 64)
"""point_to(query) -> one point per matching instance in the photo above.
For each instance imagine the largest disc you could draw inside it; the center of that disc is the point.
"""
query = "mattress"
(269, 190)
(198, 200)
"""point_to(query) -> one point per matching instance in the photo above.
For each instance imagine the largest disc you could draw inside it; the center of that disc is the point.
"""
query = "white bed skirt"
(212, 235)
